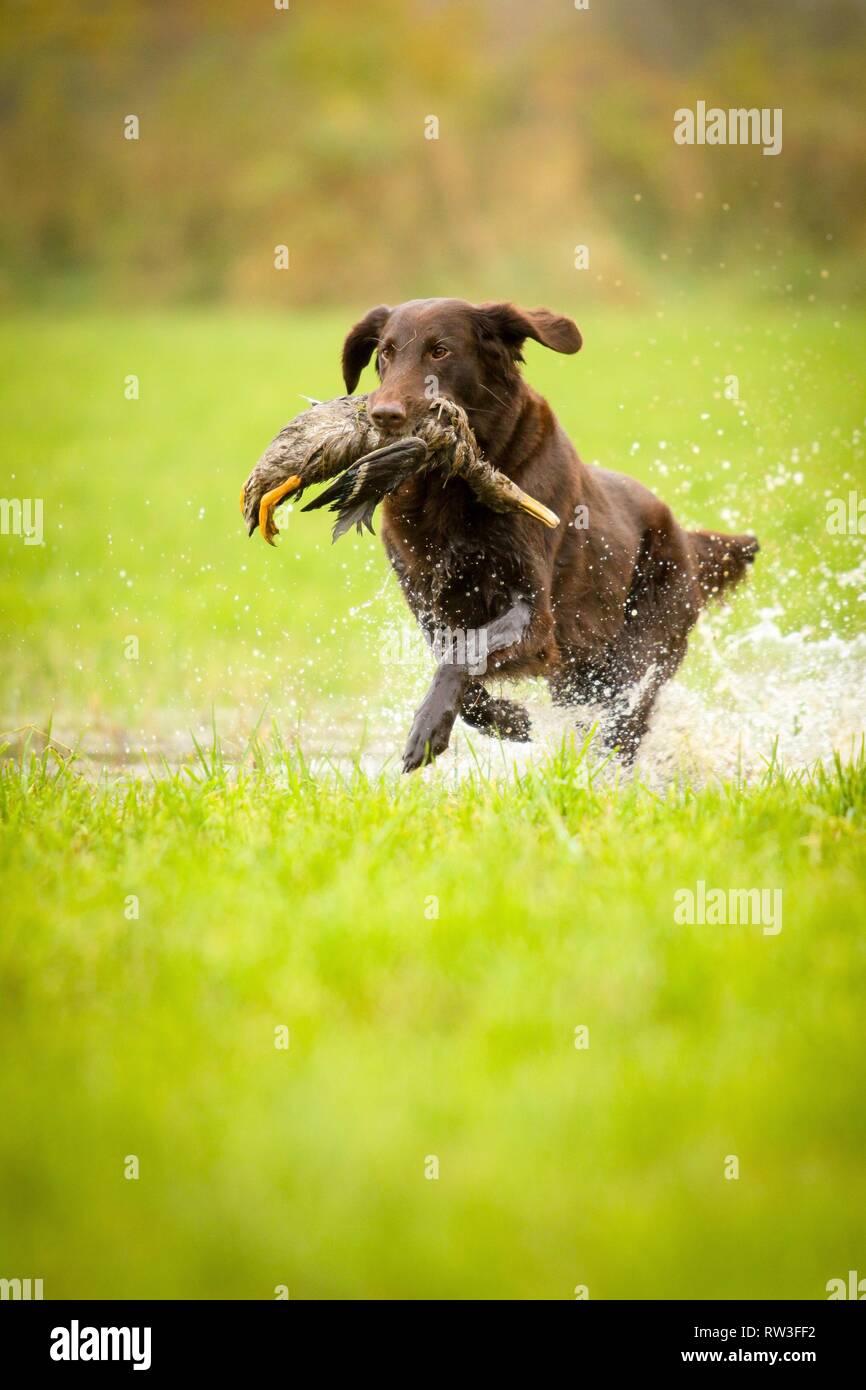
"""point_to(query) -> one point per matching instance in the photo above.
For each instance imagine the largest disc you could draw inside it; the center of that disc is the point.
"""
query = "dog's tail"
(721, 560)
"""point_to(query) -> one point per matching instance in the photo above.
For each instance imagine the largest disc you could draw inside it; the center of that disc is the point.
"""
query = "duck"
(338, 437)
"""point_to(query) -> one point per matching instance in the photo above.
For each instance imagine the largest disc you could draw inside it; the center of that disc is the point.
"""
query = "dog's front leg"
(431, 729)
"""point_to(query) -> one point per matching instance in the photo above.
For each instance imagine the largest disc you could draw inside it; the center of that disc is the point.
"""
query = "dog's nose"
(388, 415)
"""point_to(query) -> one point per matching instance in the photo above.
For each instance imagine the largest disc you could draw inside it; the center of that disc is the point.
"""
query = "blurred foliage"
(305, 127)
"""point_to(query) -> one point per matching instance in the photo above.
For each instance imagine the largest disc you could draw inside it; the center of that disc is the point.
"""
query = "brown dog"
(601, 606)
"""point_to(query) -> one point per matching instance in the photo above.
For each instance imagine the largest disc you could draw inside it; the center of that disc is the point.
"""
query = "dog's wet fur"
(601, 606)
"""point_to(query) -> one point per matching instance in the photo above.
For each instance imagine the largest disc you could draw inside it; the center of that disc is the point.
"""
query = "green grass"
(269, 895)
(278, 898)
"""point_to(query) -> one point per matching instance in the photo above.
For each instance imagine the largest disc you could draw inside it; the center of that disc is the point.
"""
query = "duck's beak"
(267, 525)
(537, 509)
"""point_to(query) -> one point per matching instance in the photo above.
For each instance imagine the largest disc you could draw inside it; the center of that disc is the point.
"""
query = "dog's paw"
(499, 719)
(430, 736)
(622, 737)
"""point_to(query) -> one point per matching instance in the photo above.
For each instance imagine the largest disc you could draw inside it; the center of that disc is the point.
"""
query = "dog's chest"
(458, 558)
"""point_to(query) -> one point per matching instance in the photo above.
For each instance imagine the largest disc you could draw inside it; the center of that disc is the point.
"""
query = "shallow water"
(758, 697)
(741, 701)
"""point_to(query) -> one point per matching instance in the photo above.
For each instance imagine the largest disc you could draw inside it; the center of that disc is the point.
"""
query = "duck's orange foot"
(269, 502)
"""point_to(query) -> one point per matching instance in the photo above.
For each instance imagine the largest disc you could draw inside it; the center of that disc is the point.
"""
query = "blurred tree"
(306, 127)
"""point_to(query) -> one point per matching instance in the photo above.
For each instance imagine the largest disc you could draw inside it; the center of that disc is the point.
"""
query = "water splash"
(743, 698)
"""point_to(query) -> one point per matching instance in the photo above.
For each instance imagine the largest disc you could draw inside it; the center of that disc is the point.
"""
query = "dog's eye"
(385, 354)
(440, 350)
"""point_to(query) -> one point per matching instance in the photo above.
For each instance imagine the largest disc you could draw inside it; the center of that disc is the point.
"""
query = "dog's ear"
(512, 326)
(361, 343)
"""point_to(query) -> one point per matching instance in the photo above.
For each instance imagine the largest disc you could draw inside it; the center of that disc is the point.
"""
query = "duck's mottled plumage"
(338, 436)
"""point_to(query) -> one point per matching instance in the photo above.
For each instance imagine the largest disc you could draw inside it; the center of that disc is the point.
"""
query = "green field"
(431, 944)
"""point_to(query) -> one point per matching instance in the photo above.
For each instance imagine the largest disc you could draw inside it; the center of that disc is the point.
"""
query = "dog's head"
(446, 347)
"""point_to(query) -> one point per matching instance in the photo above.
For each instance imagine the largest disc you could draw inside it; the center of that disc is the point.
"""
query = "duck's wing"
(357, 493)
